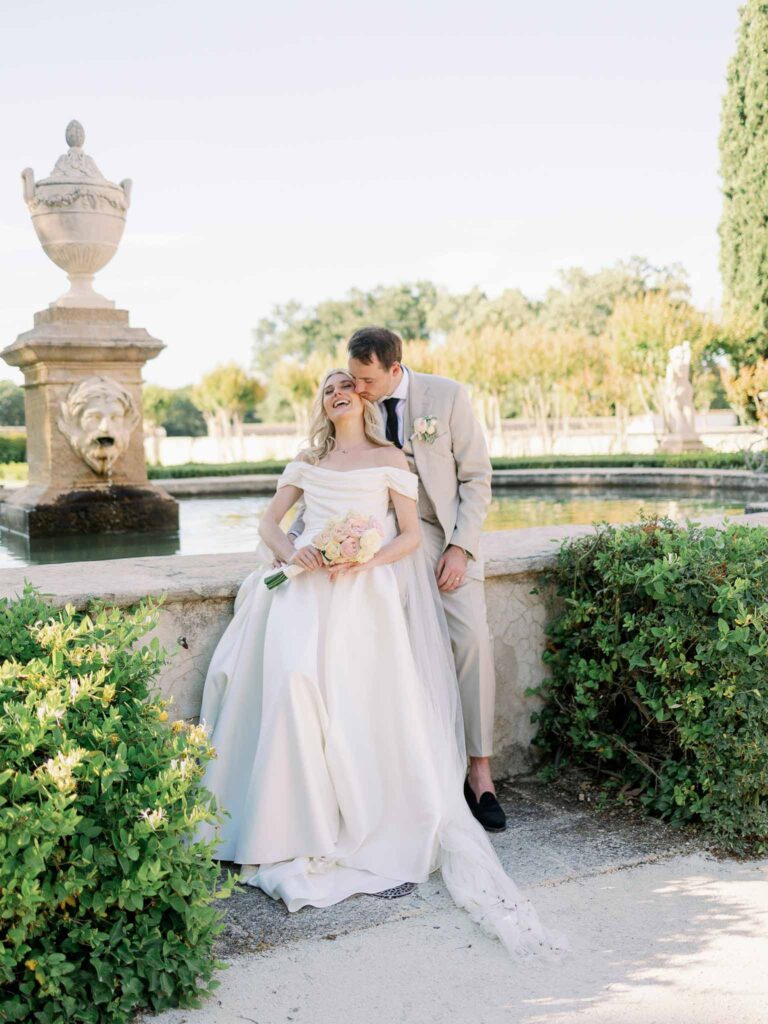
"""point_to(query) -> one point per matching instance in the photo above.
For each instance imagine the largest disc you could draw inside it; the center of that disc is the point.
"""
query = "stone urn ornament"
(79, 218)
(82, 364)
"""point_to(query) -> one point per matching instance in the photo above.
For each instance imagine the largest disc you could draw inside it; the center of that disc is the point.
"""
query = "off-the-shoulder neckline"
(360, 469)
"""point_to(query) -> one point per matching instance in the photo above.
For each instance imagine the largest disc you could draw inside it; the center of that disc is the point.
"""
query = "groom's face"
(372, 381)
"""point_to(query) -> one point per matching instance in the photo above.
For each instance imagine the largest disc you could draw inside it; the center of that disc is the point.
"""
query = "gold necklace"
(346, 451)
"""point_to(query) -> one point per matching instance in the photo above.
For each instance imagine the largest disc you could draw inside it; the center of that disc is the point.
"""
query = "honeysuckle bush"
(106, 897)
(658, 652)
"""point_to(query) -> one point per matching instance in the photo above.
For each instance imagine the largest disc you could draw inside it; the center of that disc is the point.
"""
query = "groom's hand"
(346, 569)
(451, 569)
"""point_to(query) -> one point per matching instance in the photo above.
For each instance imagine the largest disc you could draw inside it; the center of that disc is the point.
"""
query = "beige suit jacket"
(454, 470)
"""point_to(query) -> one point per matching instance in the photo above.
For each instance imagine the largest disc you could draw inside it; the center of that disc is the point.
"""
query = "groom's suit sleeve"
(297, 526)
(473, 471)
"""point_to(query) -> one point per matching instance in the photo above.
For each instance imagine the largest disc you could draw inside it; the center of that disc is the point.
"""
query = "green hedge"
(105, 897)
(658, 650)
(13, 448)
(666, 460)
(687, 460)
(13, 471)
(192, 469)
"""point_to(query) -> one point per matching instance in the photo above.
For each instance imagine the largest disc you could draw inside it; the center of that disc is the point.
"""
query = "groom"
(431, 419)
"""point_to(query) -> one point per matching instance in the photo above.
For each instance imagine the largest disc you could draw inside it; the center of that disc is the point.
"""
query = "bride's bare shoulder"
(391, 456)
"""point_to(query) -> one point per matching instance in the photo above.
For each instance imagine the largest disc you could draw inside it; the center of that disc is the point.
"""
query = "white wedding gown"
(338, 762)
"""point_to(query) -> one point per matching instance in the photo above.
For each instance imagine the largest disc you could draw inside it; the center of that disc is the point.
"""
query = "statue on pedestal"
(82, 371)
(678, 408)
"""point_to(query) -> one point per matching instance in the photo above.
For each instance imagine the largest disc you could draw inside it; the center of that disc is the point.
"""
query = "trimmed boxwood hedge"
(13, 448)
(684, 460)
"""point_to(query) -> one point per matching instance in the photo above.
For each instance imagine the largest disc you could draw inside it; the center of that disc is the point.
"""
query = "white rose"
(332, 550)
(420, 425)
(370, 542)
(431, 429)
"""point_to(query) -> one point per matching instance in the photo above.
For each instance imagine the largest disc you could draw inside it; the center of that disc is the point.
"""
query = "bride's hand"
(347, 569)
(308, 558)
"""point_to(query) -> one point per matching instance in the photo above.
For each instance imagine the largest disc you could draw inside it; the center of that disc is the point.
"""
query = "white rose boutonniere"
(425, 429)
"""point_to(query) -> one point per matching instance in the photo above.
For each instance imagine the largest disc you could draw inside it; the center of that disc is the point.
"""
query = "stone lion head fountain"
(97, 418)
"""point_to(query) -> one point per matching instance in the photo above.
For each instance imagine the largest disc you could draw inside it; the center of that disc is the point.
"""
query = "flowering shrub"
(105, 897)
(659, 657)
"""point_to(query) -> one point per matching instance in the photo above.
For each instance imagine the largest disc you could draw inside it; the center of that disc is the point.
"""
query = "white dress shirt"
(400, 393)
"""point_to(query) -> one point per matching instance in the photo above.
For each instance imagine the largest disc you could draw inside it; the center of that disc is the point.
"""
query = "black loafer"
(487, 809)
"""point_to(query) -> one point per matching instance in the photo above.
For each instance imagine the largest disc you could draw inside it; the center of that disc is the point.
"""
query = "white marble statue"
(679, 412)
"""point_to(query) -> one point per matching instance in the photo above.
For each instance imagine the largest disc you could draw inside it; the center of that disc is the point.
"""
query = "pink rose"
(376, 525)
(357, 525)
(350, 548)
(340, 531)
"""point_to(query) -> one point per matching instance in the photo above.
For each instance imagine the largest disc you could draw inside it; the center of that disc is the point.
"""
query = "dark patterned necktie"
(393, 433)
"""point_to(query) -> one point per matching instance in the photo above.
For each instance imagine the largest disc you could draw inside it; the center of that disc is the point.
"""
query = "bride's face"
(340, 399)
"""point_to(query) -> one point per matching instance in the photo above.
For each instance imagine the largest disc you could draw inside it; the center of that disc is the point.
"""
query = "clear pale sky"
(297, 149)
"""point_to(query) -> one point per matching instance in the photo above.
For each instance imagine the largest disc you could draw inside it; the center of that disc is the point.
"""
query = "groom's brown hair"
(368, 342)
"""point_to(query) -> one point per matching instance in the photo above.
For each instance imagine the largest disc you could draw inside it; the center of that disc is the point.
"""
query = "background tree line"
(595, 345)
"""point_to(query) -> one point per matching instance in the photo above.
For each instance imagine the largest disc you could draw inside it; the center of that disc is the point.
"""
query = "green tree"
(298, 331)
(297, 381)
(183, 418)
(585, 302)
(747, 391)
(744, 171)
(224, 396)
(473, 311)
(11, 404)
(639, 336)
(173, 410)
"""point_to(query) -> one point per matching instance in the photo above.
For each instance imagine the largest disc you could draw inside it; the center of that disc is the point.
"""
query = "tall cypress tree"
(744, 170)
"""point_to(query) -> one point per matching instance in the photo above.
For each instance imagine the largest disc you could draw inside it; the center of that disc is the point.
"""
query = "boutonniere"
(425, 429)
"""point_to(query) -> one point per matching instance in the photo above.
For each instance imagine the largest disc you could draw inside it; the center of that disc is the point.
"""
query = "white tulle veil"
(470, 868)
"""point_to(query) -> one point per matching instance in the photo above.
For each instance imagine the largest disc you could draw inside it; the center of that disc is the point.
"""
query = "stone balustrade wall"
(199, 593)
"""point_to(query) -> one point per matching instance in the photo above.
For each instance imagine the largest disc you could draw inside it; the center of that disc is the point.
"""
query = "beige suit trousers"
(472, 649)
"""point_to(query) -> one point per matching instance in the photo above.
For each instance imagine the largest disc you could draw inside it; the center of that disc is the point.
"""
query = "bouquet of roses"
(353, 539)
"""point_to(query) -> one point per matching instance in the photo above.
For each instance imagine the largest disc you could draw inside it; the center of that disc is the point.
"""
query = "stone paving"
(661, 931)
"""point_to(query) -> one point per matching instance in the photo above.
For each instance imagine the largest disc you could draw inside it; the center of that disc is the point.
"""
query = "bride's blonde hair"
(322, 432)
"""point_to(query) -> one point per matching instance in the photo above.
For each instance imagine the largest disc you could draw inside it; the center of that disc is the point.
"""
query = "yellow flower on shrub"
(59, 769)
(197, 735)
(96, 864)
(153, 817)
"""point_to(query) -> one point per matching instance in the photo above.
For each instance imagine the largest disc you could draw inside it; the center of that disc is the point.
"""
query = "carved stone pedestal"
(676, 443)
(85, 448)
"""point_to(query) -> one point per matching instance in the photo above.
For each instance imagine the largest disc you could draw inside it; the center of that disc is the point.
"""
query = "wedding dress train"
(334, 711)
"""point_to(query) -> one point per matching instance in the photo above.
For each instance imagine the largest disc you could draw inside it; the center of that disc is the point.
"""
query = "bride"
(333, 704)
